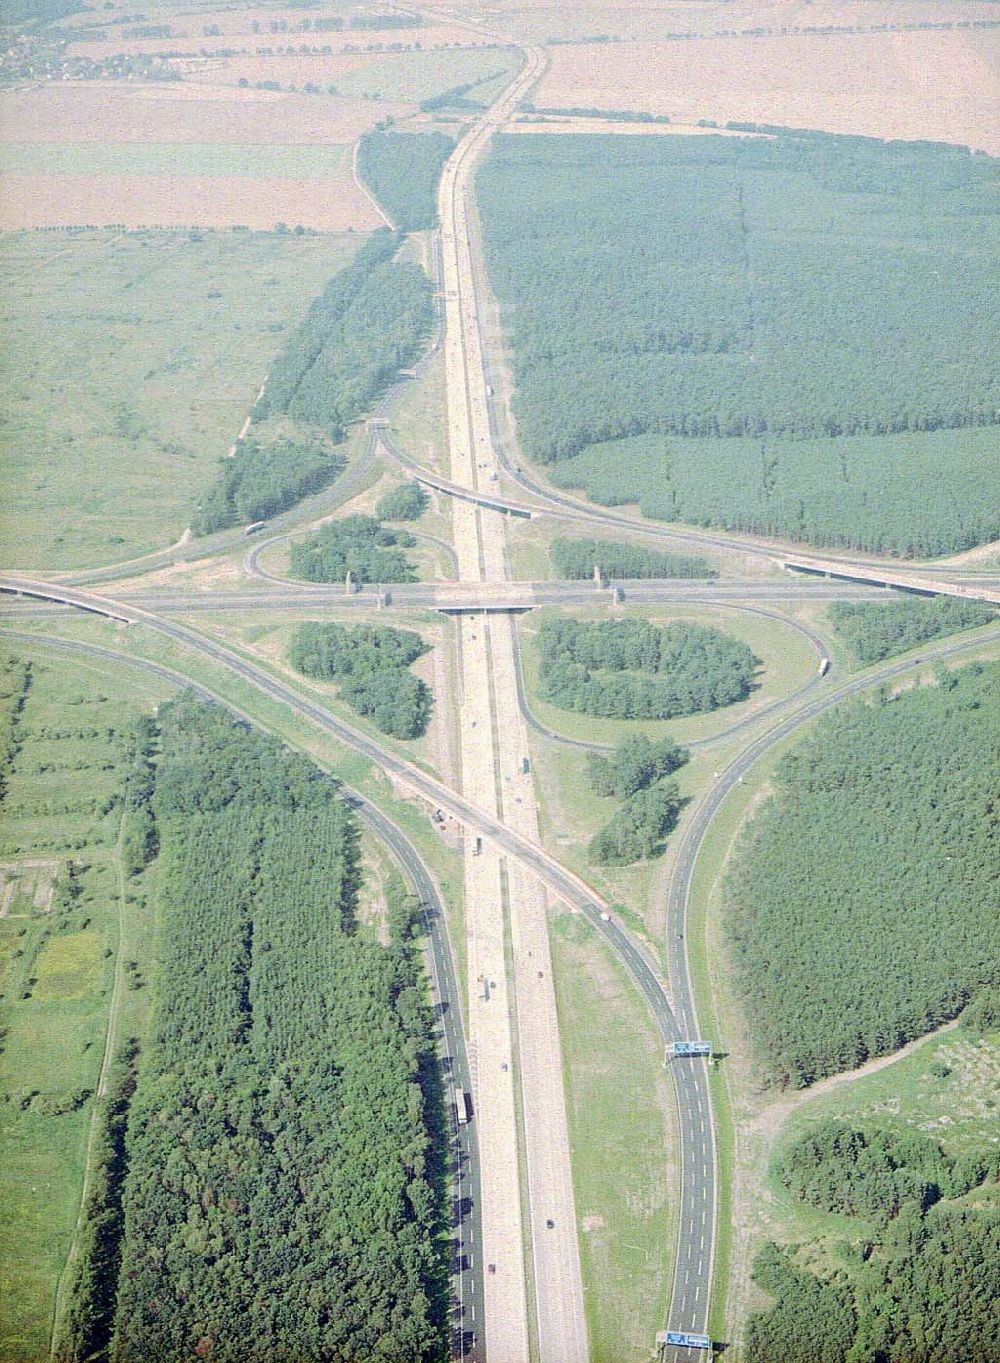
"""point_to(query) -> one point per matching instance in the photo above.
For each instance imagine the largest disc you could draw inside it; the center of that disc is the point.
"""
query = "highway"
(534, 1307)
(688, 1307)
(692, 1276)
(508, 874)
(466, 1222)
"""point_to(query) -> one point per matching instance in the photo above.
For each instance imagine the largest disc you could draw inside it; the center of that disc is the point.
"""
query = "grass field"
(59, 967)
(131, 362)
(620, 1107)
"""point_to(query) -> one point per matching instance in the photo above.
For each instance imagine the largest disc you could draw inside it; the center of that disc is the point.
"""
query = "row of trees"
(632, 669)
(402, 170)
(875, 630)
(735, 305)
(861, 902)
(369, 664)
(259, 481)
(577, 558)
(369, 322)
(277, 1201)
(15, 682)
(359, 545)
(138, 842)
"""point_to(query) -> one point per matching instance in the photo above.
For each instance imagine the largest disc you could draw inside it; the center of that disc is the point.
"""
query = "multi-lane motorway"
(508, 872)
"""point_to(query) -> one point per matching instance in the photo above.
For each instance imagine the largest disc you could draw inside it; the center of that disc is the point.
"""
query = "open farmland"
(131, 363)
(380, 77)
(877, 84)
(173, 155)
(593, 22)
(70, 754)
(773, 324)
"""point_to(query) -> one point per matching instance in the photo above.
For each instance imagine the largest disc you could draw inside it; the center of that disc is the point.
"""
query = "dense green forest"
(402, 171)
(781, 335)
(359, 545)
(577, 558)
(369, 322)
(923, 1290)
(369, 664)
(259, 481)
(875, 630)
(633, 669)
(278, 1201)
(408, 502)
(636, 773)
(861, 905)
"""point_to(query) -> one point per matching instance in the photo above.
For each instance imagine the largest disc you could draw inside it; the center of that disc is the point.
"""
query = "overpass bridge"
(886, 576)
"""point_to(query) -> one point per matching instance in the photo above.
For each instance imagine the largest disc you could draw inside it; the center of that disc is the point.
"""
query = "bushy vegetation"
(875, 1172)
(277, 1201)
(402, 171)
(636, 773)
(632, 669)
(861, 904)
(259, 481)
(638, 828)
(368, 323)
(369, 664)
(359, 545)
(773, 338)
(577, 559)
(873, 630)
(408, 502)
(633, 764)
(924, 1291)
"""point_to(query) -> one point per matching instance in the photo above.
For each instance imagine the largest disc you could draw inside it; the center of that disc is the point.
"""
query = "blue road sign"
(692, 1048)
(687, 1341)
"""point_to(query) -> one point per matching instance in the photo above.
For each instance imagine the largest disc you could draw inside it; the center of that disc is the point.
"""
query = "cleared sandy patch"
(334, 204)
(102, 111)
(942, 85)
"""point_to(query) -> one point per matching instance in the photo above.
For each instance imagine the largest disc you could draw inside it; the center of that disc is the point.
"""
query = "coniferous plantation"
(359, 545)
(578, 558)
(862, 902)
(277, 1200)
(633, 669)
(787, 335)
(369, 322)
(402, 170)
(369, 664)
(875, 630)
